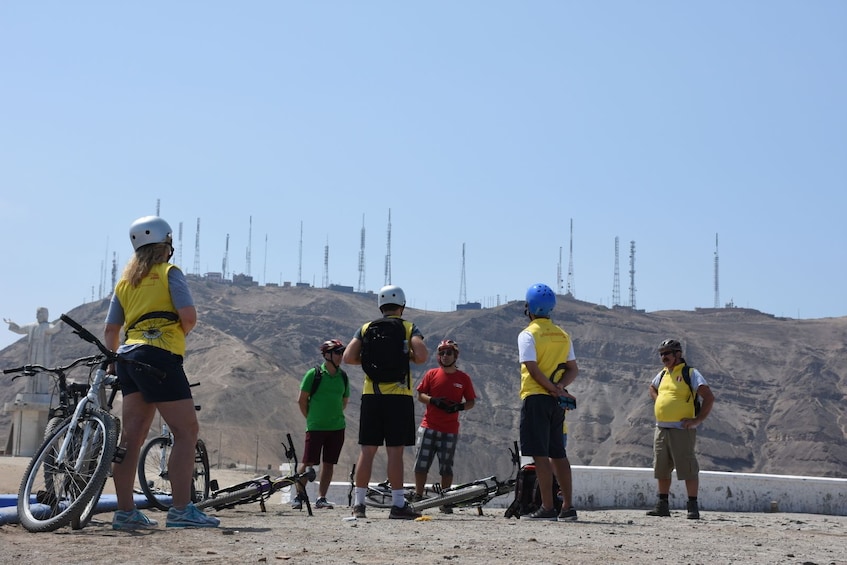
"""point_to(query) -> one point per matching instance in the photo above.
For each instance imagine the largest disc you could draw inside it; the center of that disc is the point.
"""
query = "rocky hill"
(780, 384)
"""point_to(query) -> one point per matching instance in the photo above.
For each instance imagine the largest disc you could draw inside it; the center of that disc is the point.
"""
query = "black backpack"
(385, 351)
(316, 382)
(686, 376)
(528, 494)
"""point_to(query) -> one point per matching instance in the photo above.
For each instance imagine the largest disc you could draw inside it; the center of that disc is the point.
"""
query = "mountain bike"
(153, 477)
(259, 489)
(473, 494)
(63, 481)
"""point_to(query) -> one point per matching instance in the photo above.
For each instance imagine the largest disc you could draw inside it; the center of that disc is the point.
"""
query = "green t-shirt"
(326, 407)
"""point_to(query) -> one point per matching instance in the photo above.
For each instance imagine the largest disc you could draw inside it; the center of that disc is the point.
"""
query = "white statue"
(39, 351)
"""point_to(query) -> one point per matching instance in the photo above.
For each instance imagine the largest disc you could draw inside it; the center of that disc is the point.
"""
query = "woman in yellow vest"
(154, 305)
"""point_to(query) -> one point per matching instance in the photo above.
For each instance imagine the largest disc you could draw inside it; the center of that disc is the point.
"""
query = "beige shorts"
(674, 449)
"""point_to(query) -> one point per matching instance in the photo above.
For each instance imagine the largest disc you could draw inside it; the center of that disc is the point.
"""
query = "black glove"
(441, 403)
(455, 407)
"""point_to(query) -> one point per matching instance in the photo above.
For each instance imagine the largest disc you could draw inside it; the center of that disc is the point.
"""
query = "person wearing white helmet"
(384, 348)
(153, 305)
(548, 365)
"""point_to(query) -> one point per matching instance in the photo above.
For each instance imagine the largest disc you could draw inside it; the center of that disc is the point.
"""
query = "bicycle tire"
(200, 482)
(90, 509)
(462, 494)
(43, 508)
(153, 471)
(250, 493)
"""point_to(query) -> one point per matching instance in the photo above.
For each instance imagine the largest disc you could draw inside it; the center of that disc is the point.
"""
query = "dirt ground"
(247, 535)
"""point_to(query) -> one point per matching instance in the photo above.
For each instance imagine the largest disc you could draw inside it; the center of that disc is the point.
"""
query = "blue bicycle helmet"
(540, 300)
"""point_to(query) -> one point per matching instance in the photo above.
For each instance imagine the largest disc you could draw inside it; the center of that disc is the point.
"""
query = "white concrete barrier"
(630, 487)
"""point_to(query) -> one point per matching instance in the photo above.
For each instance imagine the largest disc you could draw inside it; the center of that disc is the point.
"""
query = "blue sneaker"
(132, 520)
(190, 517)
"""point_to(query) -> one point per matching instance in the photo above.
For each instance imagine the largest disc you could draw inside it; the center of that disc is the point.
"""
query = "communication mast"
(463, 294)
(388, 252)
(632, 275)
(571, 288)
(249, 246)
(197, 250)
(717, 286)
(616, 286)
(226, 258)
(559, 273)
(300, 261)
(179, 247)
(361, 287)
(265, 266)
(326, 264)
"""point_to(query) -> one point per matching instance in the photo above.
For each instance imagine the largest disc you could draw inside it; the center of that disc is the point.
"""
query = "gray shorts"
(673, 448)
(429, 443)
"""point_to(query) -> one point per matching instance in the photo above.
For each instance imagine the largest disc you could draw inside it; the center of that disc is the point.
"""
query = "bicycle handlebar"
(30, 370)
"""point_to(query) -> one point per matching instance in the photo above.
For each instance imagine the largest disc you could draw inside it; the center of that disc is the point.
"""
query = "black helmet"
(670, 344)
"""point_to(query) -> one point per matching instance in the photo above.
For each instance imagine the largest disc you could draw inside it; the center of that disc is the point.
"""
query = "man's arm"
(419, 351)
(303, 402)
(541, 378)
(353, 353)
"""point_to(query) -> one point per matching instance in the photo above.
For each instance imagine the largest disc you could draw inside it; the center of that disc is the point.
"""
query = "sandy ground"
(247, 535)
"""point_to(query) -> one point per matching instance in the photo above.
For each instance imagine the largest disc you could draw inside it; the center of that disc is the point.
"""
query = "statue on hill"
(38, 343)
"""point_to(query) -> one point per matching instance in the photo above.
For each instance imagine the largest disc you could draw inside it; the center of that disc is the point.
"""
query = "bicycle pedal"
(120, 453)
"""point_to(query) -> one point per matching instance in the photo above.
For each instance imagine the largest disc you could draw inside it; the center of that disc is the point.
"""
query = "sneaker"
(417, 497)
(132, 520)
(693, 510)
(544, 514)
(322, 502)
(190, 517)
(567, 515)
(661, 509)
(359, 511)
(297, 504)
(406, 512)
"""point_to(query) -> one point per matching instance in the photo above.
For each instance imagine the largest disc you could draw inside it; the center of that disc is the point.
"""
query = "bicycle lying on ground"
(63, 481)
(473, 494)
(259, 489)
(153, 476)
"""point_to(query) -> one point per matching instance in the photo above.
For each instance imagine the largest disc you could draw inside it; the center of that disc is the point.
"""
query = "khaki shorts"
(674, 449)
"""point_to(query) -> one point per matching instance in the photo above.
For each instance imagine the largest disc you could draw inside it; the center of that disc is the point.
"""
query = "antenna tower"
(326, 264)
(265, 266)
(632, 275)
(197, 250)
(157, 207)
(226, 258)
(300, 262)
(114, 269)
(463, 293)
(249, 247)
(361, 287)
(179, 246)
(616, 287)
(571, 288)
(388, 252)
(559, 273)
(717, 286)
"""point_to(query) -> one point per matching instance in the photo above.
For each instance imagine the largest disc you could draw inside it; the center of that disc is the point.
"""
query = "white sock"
(398, 497)
(360, 495)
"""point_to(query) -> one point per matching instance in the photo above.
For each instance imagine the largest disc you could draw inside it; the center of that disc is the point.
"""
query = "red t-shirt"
(455, 387)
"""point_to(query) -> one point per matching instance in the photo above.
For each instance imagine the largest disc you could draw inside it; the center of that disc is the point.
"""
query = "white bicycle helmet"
(149, 229)
(391, 294)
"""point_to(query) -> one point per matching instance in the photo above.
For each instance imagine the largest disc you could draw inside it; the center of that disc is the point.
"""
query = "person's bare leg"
(181, 418)
(136, 417)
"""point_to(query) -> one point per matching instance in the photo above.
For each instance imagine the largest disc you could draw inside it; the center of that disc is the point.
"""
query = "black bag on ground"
(528, 495)
(385, 351)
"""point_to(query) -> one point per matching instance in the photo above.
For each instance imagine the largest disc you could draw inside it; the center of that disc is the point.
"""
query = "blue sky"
(486, 124)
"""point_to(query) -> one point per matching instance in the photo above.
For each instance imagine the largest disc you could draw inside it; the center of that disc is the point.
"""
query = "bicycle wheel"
(200, 482)
(378, 498)
(461, 494)
(56, 490)
(251, 492)
(153, 472)
(91, 508)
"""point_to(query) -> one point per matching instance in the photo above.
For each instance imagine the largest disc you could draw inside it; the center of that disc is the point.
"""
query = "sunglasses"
(665, 353)
(337, 351)
(445, 353)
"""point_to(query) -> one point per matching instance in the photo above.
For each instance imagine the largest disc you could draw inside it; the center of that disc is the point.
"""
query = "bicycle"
(473, 494)
(259, 489)
(153, 475)
(65, 478)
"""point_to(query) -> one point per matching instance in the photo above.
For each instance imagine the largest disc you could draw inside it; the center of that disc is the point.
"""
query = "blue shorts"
(135, 378)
